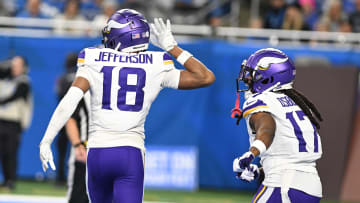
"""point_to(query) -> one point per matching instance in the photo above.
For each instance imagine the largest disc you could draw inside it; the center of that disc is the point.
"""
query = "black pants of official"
(10, 133)
(78, 193)
(62, 147)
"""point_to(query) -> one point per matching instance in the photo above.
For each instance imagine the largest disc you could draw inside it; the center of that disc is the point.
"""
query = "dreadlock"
(305, 104)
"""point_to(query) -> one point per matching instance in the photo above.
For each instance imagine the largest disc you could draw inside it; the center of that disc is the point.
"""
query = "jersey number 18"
(124, 87)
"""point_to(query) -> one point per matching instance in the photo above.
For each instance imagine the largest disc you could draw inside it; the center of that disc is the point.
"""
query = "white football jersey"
(123, 87)
(290, 159)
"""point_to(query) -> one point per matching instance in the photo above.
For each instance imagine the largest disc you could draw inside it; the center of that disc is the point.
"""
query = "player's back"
(296, 143)
(123, 87)
(290, 159)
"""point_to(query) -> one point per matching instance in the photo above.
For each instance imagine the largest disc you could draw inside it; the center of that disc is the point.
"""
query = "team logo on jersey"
(264, 63)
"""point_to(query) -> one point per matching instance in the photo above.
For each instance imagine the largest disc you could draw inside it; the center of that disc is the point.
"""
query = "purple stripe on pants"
(296, 196)
(115, 174)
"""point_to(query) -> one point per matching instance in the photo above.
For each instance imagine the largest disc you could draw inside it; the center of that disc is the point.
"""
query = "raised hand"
(161, 35)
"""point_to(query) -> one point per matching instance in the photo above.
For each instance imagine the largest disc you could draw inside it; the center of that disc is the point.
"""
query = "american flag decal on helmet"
(135, 36)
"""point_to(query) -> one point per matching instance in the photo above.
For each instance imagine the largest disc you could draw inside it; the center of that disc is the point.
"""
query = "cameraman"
(15, 114)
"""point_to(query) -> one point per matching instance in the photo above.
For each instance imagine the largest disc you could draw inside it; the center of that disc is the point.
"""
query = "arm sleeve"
(22, 90)
(171, 78)
(62, 113)
(171, 75)
(75, 115)
(83, 71)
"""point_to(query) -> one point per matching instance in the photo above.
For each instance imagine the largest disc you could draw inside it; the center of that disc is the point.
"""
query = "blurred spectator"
(141, 6)
(221, 9)
(62, 86)
(71, 12)
(345, 26)
(162, 9)
(335, 15)
(293, 19)
(109, 7)
(310, 12)
(323, 25)
(58, 4)
(349, 5)
(15, 114)
(90, 8)
(354, 18)
(32, 10)
(186, 12)
(49, 10)
(6, 8)
(256, 23)
(275, 15)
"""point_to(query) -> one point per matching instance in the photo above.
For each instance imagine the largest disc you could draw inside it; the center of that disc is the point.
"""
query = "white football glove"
(249, 174)
(160, 34)
(236, 166)
(46, 156)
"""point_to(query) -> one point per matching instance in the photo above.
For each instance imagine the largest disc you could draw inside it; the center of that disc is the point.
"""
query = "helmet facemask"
(247, 75)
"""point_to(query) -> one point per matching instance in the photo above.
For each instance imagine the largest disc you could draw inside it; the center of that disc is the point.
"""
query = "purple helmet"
(267, 69)
(127, 30)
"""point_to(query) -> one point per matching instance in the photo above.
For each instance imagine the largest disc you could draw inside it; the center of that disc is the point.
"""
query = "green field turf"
(201, 196)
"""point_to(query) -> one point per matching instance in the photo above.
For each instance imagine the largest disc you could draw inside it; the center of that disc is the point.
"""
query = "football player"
(283, 129)
(123, 79)
(77, 131)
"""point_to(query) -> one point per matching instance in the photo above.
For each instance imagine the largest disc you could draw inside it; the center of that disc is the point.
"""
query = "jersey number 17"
(298, 132)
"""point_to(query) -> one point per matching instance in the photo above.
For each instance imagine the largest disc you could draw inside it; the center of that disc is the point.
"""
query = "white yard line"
(39, 199)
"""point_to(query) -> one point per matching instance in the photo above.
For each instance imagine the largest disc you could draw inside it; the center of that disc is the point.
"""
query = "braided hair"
(305, 104)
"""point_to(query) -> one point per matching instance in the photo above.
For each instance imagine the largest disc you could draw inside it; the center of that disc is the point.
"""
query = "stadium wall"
(199, 118)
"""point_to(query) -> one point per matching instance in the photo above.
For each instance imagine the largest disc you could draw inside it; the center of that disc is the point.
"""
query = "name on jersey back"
(112, 57)
(286, 101)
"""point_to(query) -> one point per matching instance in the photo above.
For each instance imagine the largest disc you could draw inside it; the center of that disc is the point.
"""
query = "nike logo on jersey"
(250, 102)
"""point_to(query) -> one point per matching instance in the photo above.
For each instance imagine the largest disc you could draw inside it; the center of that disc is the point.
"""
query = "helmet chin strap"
(272, 87)
(283, 87)
(278, 87)
(118, 46)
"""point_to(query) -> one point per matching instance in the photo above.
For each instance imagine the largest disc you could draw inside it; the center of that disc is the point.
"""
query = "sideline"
(39, 199)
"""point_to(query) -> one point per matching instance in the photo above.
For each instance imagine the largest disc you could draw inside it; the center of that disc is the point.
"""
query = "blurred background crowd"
(317, 15)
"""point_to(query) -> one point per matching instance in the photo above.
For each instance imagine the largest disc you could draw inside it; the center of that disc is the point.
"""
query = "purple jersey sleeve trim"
(253, 104)
(166, 57)
(81, 54)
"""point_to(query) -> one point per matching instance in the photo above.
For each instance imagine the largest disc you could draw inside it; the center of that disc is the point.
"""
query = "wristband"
(259, 145)
(183, 57)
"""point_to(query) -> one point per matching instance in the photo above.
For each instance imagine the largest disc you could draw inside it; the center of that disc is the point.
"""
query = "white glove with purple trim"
(249, 174)
(160, 34)
(243, 162)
